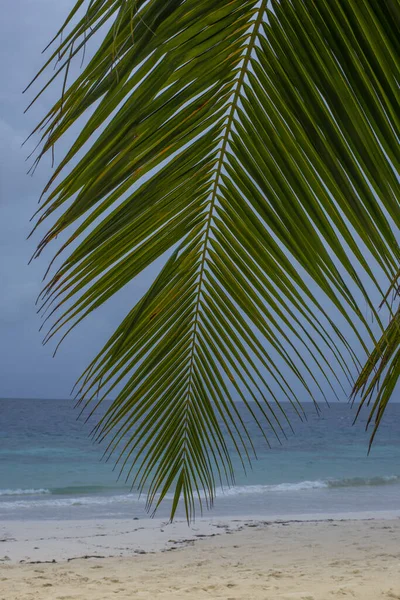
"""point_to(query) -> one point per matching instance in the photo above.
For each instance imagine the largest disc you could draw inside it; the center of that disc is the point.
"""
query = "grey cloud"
(27, 369)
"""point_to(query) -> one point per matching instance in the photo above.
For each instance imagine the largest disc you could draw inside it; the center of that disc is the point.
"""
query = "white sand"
(247, 559)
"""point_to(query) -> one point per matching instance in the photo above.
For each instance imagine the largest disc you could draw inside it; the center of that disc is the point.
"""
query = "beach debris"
(85, 557)
(38, 562)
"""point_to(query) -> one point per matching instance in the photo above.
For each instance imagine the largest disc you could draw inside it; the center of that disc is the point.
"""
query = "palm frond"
(254, 145)
(381, 372)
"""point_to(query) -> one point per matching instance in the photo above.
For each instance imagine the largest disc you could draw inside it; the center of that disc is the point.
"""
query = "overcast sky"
(27, 369)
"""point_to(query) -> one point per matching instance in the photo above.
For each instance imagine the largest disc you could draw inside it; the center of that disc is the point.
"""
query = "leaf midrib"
(225, 140)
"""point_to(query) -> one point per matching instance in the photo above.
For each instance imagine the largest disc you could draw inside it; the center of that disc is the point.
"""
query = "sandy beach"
(313, 559)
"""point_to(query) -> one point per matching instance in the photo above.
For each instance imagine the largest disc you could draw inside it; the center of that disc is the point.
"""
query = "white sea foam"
(55, 502)
(279, 487)
(245, 490)
(24, 492)
(310, 485)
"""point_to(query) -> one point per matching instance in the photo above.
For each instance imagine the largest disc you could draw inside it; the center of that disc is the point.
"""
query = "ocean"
(50, 468)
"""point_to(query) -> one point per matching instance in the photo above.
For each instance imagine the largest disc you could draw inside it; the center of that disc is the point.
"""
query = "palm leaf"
(380, 374)
(254, 146)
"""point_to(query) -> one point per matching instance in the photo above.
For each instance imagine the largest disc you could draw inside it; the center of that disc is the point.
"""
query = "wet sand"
(246, 559)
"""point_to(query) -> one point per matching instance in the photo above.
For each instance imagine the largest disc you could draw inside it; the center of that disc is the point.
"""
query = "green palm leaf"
(254, 144)
(381, 372)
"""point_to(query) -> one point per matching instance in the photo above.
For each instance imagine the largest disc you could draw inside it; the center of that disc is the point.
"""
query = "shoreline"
(314, 559)
(57, 541)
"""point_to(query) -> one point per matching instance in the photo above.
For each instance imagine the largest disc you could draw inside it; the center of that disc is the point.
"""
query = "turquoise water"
(50, 469)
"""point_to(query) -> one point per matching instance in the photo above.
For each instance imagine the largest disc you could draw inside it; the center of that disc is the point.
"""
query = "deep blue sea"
(50, 468)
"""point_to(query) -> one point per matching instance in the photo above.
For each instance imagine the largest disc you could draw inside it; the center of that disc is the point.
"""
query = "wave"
(74, 490)
(91, 495)
(310, 485)
(80, 501)
(25, 492)
(279, 487)
(364, 481)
